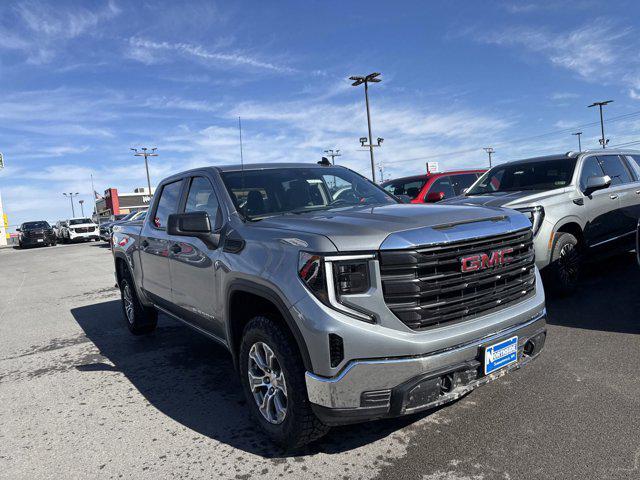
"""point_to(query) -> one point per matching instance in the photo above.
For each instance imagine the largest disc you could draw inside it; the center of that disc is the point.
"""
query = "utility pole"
(81, 202)
(333, 155)
(145, 153)
(381, 170)
(603, 141)
(70, 196)
(579, 143)
(359, 80)
(490, 151)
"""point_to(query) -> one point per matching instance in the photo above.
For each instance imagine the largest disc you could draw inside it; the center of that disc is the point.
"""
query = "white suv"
(80, 229)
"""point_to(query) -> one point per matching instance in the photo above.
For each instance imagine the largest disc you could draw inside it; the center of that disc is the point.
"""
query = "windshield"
(79, 221)
(33, 225)
(405, 186)
(262, 193)
(534, 175)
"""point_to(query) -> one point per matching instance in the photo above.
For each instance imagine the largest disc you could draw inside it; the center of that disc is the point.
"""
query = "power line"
(519, 140)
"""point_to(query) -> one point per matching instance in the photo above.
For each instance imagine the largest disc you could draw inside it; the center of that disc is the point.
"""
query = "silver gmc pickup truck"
(337, 302)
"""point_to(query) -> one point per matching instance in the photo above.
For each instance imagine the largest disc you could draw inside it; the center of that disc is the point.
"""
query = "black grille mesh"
(425, 287)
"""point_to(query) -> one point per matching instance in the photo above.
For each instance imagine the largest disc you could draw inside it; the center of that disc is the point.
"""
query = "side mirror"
(404, 198)
(596, 183)
(193, 224)
(433, 197)
(18, 230)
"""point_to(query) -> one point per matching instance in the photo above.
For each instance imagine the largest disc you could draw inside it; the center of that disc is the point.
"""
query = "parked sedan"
(432, 187)
(35, 234)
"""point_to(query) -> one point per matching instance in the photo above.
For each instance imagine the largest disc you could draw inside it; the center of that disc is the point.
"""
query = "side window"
(635, 158)
(202, 198)
(168, 203)
(613, 166)
(460, 182)
(590, 168)
(443, 184)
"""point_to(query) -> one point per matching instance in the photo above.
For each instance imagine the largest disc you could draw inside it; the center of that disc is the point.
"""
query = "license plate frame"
(499, 355)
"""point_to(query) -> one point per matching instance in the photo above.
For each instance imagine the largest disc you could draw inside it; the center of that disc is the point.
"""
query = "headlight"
(330, 278)
(535, 214)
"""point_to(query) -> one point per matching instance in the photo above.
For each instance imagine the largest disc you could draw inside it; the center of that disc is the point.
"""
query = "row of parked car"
(81, 229)
(580, 203)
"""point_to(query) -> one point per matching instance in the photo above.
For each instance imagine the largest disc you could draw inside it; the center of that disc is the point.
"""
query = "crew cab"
(337, 302)
(432, 187)
(581, 205)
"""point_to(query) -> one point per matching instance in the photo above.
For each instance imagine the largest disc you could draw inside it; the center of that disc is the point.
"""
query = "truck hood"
(399, 225)
(505, 199)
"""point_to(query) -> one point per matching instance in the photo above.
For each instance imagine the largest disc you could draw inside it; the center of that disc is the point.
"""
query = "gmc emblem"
(480, 261)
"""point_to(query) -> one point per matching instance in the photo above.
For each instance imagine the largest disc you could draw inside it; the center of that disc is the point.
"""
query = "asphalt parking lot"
(82, 398)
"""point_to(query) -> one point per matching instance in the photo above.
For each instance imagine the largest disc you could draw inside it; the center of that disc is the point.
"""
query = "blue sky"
(82, 82)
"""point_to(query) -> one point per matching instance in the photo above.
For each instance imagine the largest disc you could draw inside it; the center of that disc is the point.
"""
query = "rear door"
(192, 264)
(155, 243)
(601, 207)
(442, 185)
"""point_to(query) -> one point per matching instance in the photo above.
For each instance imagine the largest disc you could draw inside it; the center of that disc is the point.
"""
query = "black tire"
(140, 319)
(300, 425)
(566, 263)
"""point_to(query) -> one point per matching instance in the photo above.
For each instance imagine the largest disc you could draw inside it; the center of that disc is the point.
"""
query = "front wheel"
(272, 376)
(140, 319)
(565, 264)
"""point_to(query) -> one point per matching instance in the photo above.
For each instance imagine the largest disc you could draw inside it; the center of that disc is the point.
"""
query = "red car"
(433, 187)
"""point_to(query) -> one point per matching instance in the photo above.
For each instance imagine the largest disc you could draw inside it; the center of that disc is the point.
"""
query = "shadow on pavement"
(192, 380)
(607, 299)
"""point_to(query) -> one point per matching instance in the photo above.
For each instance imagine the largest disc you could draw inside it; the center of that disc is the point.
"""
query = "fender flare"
(271, 295)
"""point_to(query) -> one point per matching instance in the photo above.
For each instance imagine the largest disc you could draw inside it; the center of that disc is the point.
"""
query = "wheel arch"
(246, 299)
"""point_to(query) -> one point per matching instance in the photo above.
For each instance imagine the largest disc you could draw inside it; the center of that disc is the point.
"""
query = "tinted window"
(167, 204)
(590, 168)
(34, 225)
(460, 182)
(530, 175)
(443, 184)
(411, 188)
(612, 165)
(80, 221)
(636, 158)
(202, 198)
(260, 193)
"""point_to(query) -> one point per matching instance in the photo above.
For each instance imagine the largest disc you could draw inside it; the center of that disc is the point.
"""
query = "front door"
(155, 244)
(192, 264)
(602, 207)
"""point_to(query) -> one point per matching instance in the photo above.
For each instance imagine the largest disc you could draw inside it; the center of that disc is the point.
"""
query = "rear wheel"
(272, 376)
(565, 264)
(140, 319)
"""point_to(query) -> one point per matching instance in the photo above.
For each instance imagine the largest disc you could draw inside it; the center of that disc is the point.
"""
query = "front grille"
(85, 229)
(34, 234)
(425, 287)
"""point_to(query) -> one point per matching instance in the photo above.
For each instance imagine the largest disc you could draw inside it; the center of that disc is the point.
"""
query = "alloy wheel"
(568, 264)
(267, 383)
(128, 303)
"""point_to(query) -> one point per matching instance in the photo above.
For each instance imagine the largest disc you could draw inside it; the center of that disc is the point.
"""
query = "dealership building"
(116, 203)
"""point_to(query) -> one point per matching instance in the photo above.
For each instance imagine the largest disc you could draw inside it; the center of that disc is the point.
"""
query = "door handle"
(175, 248)
(613, 197)
(144, 244)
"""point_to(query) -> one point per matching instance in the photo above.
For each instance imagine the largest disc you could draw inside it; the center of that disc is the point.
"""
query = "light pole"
(603, 141)
(359, 80)
(146, 153)
(577, 134)
(332, 154)
(490, 151)
(70, 196)
(81, 202)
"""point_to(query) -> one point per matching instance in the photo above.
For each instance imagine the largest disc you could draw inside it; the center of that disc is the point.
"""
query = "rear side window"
(612, 165)
(202, 198)
(460, 182)
(168, 203)
(411, 188)
(443, 184)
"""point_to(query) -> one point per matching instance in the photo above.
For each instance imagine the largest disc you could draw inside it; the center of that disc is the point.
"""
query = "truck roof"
(267, 166)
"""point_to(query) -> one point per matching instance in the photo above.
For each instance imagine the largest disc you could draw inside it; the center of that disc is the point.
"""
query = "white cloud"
(151, 52)
(564, 96)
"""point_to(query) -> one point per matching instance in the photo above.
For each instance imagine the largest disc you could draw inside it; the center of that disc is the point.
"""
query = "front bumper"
(389, 387)
(84, 236)
(33, 241)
